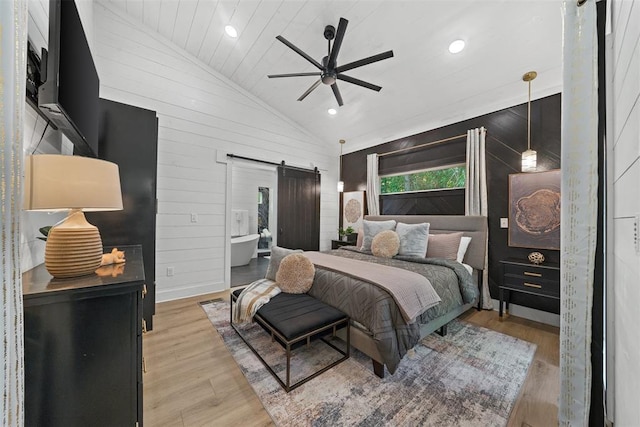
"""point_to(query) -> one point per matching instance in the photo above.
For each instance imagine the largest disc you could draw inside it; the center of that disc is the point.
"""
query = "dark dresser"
(83, 346)
(522, 276)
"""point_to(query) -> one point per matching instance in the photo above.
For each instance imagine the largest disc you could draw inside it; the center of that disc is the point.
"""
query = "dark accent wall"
(506, 140)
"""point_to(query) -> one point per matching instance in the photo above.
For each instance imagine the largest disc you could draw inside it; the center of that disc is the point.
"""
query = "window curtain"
(13, 44)
(475, 199)
(373, 185)
(578, 208)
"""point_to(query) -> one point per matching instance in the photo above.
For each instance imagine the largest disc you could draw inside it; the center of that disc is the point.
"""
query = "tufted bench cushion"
(294, 315)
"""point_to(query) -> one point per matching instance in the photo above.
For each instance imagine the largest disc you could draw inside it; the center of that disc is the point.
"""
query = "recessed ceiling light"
(456, 46)
(231, 31)
(332, 111)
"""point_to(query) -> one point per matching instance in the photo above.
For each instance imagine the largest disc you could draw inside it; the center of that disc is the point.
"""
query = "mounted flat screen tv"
(69, 94)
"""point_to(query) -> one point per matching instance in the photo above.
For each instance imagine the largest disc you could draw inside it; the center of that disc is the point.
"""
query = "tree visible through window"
(445, 178)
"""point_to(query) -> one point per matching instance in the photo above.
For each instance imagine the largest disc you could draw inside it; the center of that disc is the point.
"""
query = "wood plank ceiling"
(424, 86)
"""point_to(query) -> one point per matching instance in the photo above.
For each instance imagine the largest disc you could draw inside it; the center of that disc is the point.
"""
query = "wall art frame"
(353, 209)
(534, 210)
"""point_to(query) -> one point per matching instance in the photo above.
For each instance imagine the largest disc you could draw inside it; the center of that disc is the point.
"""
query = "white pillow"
(468, 268)
(462, 249)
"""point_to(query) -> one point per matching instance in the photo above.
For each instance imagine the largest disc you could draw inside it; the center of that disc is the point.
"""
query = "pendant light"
(341, 182)
(529, 157)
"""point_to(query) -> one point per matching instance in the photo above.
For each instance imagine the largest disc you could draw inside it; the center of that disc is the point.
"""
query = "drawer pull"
(144, 290)
(144, 325)
(532, 285)
(527, 273)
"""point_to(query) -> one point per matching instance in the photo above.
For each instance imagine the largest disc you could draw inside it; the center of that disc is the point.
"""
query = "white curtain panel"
(373, 185)
(13, 43)
(579, 208)
(475, 202)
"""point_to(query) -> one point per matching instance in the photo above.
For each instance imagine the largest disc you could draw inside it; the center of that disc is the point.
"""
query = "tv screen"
(69, 95)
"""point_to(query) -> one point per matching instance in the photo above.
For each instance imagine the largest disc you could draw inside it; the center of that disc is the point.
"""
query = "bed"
(378, 327)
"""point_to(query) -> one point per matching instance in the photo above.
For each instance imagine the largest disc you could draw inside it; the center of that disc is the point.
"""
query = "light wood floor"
(192, 380)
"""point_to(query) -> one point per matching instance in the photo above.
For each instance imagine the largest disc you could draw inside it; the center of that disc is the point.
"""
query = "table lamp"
(77, 184)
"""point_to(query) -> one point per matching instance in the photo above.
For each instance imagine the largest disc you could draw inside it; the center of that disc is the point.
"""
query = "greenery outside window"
(442, 178)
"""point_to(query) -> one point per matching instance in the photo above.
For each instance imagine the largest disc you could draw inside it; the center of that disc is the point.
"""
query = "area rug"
(471, 377)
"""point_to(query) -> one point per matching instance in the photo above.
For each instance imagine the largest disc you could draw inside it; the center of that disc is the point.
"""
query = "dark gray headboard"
(472, 226)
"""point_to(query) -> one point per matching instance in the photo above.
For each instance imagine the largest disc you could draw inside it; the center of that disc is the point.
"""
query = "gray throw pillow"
(413, 239)
(371, 228)
(277, 254)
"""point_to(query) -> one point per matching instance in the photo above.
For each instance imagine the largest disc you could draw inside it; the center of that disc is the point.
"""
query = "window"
(442, 178)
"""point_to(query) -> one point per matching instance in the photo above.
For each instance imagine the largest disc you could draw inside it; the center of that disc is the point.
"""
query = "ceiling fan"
(329, 69)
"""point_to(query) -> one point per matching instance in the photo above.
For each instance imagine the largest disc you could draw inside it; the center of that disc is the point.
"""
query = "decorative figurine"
(536, 258)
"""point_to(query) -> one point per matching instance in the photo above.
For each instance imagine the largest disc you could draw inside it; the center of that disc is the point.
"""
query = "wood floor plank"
(192, 379)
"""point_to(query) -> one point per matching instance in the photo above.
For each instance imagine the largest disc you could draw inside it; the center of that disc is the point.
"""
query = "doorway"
(253, 195)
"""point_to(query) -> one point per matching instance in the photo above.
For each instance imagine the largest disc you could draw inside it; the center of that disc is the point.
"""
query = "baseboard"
(530, 313)
(189, 291)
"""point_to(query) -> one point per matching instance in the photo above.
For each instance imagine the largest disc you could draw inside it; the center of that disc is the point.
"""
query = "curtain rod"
(266, 162)
(440, 141)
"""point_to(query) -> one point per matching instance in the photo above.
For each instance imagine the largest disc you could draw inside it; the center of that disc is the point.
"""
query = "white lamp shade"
(340, 186)
(58, 182)
(529, 161)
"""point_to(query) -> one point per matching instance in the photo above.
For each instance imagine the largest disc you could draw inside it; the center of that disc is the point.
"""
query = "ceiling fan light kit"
(329, 71)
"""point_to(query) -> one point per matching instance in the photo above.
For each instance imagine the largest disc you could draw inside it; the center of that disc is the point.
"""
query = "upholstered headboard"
(472, 226)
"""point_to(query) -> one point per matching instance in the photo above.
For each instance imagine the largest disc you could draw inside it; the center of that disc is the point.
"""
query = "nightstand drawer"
(532, 284)
(534, 272)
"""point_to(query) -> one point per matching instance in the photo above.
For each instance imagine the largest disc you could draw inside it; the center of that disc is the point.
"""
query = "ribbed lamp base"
(74, 248)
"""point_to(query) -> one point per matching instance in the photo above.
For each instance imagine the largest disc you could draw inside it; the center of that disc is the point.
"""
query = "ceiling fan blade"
(299, 52)
(313, 86)
(342, 28)
(359, 82)
(274, 76)
(365, 61)
(336, 93)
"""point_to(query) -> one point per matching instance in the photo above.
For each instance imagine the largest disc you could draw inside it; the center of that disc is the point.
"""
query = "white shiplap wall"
(624, 133)
(202, 116)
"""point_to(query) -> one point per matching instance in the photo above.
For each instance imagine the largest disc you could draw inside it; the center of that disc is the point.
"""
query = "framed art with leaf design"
(534, 210)
(352, 209)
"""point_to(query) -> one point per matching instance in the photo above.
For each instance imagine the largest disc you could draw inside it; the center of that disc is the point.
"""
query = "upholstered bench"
(293, 318)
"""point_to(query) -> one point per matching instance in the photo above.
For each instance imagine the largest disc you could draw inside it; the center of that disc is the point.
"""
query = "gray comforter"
(376, 310)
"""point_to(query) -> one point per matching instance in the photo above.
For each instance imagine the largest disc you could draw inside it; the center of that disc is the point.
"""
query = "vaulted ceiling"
(423, 85)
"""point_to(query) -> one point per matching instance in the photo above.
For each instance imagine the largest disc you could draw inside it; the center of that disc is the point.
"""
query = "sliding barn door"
(298, 209)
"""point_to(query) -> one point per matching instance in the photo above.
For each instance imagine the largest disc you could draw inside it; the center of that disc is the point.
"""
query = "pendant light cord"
(529, 119)
(341, 144)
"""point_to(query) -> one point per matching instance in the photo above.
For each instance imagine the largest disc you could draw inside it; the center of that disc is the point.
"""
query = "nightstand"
(335, 244)
(522, 276)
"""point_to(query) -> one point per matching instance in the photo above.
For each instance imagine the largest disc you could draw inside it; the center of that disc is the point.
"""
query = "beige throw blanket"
(252, 298)
(411, 291)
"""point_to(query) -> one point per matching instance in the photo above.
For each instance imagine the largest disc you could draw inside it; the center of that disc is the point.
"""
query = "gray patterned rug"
(471, 377)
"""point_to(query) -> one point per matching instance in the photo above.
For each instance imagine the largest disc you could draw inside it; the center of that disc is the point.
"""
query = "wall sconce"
(76, 184)
(529, 157)
(341, 182)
